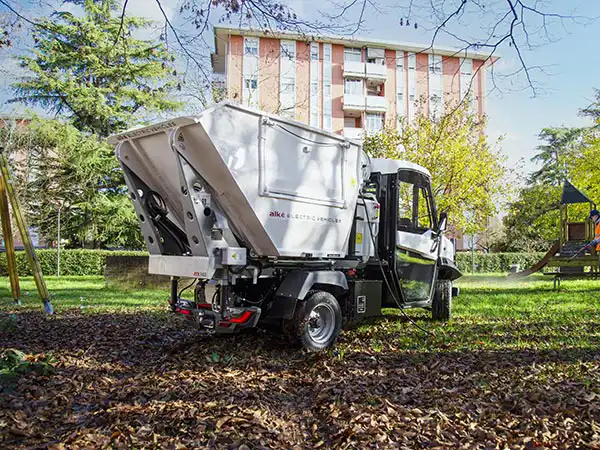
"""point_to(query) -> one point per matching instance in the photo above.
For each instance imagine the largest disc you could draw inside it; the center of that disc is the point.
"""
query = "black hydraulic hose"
(385, 276)
(158, 209)
(186, 288)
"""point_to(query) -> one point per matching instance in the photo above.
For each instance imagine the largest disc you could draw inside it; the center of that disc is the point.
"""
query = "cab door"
(417, 243)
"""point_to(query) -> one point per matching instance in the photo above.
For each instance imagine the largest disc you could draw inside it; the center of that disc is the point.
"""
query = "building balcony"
(376, 103)
(354, 102)
(355, 134)
(376, 73)
(354, 69)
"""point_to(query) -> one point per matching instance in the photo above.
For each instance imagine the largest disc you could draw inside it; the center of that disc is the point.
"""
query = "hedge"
(92, 262)
(495, 262)
(72, 262)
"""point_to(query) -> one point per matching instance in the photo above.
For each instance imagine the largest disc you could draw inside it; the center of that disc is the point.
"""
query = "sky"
(515, 111)
(565, 84)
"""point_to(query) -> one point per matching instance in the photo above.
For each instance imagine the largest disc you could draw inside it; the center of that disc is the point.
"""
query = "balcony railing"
(354, 69)
(376, 72)
(354, 102)
(354, 133)
(376, 103)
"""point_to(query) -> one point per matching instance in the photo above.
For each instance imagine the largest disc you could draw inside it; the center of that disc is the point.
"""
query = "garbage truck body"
(287, 226)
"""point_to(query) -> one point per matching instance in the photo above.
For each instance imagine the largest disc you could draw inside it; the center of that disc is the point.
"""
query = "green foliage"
(585, 166)
(532, 221)
(561, 144)
(92, 70)
(58, 164)
(466, 171)
(72, 262)
(496, 262)
(14, 363)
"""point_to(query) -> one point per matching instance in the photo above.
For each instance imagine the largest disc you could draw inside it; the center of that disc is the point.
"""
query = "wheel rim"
(321, 323)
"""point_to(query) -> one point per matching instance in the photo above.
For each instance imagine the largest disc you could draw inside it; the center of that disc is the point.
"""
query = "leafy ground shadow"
(516, 369)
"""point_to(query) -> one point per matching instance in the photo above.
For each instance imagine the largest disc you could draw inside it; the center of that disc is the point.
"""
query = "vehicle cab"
(417, 258)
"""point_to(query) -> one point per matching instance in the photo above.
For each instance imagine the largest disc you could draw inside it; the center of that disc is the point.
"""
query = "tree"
(593, 109)
(567, 153)
(466, 171)
(92, 70)
(555, 155)
(531, 223)
(60, 165)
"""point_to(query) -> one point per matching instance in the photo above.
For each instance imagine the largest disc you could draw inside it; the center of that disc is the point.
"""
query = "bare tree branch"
(185, 50)
(523, 25)
(122, 21)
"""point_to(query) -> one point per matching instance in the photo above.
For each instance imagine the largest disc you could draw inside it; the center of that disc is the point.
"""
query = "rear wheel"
(317, 321)
(441, 305)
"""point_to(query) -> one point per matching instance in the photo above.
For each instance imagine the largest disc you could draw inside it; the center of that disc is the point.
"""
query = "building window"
(374, 122)
(376, 56)
(327, 52)
(352, 54)
(353, 87)
(287, 79)
(466, 79)
(314, 84)
(412, 86)
(400, 85)
(327, 99)
(250, 72)
(436, 105)
(251, 46)
(435, 64)
(314, 51)
(288, 87)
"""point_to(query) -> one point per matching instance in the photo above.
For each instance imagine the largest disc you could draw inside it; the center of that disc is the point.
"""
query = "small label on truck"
(205, 199)
(359, 238)
(361, 304)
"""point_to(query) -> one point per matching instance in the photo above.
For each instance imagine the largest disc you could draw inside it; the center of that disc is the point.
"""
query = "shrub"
(495, 262)
(72, 262)
(92, 262)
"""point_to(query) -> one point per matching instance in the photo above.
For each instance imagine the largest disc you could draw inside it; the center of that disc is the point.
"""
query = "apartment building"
(344, 85)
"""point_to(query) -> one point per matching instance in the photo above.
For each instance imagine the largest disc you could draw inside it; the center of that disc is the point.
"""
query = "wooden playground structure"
(574, 233)
(8, 198)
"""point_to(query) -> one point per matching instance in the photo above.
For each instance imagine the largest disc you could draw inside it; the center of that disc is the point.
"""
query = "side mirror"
(442, 222)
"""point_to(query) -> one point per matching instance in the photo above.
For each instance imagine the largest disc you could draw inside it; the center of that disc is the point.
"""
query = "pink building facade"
(347, 86)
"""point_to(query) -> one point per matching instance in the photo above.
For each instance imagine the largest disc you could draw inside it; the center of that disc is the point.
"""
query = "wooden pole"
(34, 263)
(9, 244)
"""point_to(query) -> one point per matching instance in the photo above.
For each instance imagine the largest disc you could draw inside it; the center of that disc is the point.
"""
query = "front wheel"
(317, 321)
(441, 305)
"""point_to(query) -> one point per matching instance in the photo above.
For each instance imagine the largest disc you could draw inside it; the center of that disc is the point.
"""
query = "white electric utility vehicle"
(296, 228)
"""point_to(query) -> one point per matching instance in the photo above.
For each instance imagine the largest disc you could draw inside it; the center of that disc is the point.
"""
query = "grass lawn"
(517, 367)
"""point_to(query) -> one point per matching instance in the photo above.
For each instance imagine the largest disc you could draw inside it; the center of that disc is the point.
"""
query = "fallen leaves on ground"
(144, 380)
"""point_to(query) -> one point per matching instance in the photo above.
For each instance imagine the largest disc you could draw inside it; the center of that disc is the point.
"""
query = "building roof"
(221, 33)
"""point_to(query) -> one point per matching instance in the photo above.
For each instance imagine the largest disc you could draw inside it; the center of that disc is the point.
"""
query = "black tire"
(317, 321)
(441, 305)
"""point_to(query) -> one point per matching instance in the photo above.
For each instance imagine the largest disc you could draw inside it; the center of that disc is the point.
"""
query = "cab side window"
(424, 220)
(405, 206)
(414, 208)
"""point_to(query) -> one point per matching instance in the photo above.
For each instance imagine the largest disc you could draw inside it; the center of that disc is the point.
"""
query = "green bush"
(496, 262)
(91, 262)
(72, 262)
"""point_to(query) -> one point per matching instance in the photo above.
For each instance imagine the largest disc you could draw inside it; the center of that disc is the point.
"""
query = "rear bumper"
(204, 316)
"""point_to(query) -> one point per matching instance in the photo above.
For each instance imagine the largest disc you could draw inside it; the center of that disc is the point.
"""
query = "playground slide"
(537, 266)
